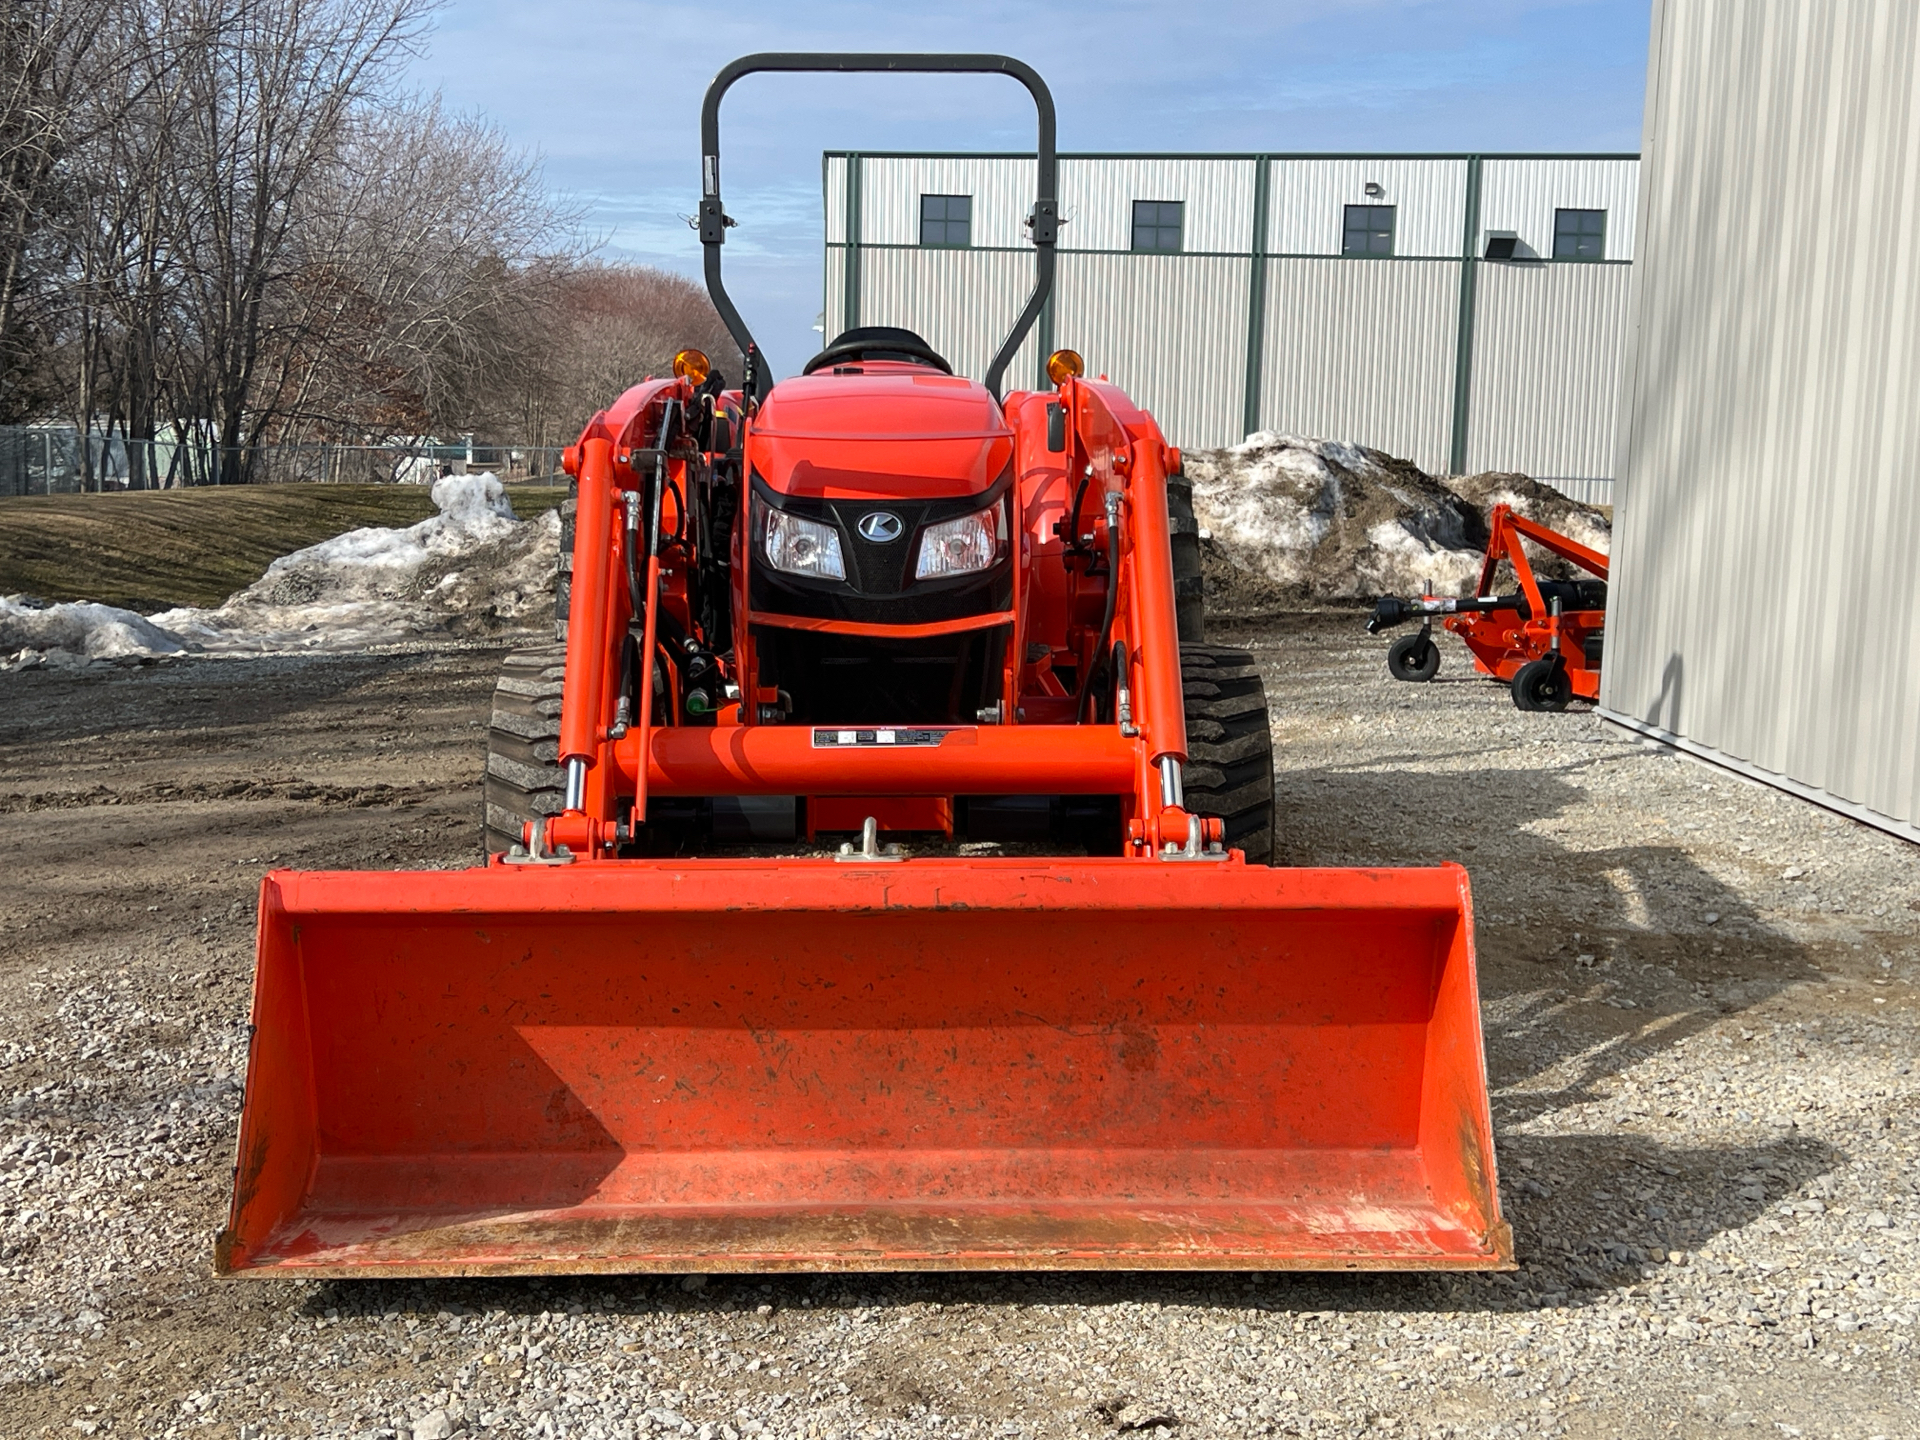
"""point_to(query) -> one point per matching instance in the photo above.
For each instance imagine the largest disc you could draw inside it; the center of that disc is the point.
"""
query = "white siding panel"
(1547, 345)
(891, 187)
(1363, 351)
(964, 303)
(834, 296)
(1307, 202)
(1767, 607)
(1521, 196)
(1096, 200)
(1170, 330)
(833, 186)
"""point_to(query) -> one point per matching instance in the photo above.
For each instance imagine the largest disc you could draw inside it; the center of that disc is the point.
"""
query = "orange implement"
(797, 1065)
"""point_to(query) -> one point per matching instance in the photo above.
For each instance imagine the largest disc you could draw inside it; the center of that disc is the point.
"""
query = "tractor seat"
(878, 342)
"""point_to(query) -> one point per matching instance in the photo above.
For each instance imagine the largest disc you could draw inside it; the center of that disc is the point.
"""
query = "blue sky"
(609, 95)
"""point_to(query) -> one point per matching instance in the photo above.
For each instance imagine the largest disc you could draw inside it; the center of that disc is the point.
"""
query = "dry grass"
(150, 551)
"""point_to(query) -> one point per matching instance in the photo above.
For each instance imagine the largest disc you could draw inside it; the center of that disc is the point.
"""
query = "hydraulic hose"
(1113, 599)
(1073, 515)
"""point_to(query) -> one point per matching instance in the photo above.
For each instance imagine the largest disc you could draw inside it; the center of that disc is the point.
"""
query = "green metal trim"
(1249, 155)
(850, 285)
(1463, 347)
(1256, 300)
(1447, 259)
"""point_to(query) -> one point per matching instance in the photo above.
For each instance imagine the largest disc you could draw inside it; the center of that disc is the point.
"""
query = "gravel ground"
(1700, 1022)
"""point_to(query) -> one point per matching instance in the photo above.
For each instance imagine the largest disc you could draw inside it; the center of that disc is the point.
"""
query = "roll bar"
(1044, 222)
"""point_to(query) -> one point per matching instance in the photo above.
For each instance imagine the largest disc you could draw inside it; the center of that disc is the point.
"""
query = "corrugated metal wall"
(1307, 200)
(1363, 348)
(1548, 346)
(1366, 350)
(833, 172)
(1096, 201)
(963, 302)
(1767, 612)
(1153, 324)
(891, 187)
(1521, 196)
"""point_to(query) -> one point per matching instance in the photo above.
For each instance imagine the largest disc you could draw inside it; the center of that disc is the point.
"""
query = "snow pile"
(31, 631)
(470, 570)
(1289, 519)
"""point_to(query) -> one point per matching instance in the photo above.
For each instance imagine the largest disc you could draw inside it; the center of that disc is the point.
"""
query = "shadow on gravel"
(1590, 959)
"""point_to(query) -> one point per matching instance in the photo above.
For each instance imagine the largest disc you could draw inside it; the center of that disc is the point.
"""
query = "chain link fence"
(49, 460)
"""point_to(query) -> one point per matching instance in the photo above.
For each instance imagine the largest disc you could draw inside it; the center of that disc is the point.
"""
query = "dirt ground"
(1701, 1028)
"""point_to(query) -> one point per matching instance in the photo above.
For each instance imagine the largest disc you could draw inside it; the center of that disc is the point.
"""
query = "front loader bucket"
(804, 1065)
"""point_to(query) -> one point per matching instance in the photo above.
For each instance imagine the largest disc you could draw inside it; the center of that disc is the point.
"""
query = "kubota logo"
(881, 527)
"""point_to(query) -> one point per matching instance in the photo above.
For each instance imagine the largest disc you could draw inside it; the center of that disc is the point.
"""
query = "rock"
(435, 1425)
(1136, 1416)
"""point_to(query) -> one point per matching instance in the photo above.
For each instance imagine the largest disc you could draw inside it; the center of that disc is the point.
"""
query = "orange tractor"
(1544, 639)
(879, 881)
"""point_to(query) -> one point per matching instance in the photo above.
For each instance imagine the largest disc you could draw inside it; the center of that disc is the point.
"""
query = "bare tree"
(429, 257)
(222, 222)
(269, 104)
(47, 50)
(617, 325)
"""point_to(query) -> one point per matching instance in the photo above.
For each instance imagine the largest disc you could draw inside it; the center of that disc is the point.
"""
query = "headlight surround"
(964, 546)
(799, 546)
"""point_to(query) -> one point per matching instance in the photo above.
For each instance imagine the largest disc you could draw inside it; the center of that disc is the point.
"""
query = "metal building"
(1467, 312)
(1766, 606)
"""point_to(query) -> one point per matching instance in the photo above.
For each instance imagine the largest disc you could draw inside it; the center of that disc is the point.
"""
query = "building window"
(1579, 234)
(946, 221)
(1368, 230)
(1156, 225)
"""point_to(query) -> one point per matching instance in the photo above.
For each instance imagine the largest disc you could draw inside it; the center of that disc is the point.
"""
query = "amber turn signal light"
(692, 365)
(1065, 364)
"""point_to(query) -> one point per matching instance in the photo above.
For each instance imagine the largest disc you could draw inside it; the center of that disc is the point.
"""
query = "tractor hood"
(886, 430)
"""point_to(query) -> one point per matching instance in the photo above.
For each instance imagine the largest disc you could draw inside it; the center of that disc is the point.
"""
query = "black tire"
(523, 744)
(563, 579)
(1542, 685)
(1229, 772)
(1414, 658)
(1189, 606)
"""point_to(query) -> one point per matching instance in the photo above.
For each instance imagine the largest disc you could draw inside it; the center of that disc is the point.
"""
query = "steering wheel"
(878, 342)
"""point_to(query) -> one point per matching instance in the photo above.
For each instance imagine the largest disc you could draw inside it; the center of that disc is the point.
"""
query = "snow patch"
(78, 631)
(472, 569)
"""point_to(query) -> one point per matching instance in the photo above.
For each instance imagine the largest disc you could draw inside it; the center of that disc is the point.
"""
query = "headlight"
(959, 547)
(801, 547)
